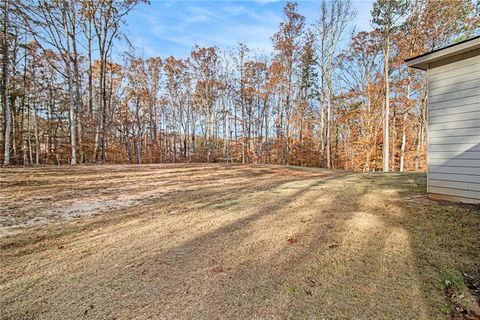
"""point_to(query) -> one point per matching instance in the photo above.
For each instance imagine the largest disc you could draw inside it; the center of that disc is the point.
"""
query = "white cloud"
(196, 19)
(200, 11)
(265, 1)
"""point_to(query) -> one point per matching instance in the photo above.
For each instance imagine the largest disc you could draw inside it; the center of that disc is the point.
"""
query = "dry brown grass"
(216, 242)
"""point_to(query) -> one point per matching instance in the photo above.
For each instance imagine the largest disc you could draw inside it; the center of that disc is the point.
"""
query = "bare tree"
(335, 16)
(386, 14)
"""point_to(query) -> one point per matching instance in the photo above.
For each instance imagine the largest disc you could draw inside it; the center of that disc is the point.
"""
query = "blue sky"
(166, 28)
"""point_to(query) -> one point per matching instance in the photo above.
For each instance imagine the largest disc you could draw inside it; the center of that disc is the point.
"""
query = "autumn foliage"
(317, 100)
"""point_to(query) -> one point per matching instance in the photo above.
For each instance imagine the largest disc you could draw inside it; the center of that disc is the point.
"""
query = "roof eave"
(422, 61)
(417, 65)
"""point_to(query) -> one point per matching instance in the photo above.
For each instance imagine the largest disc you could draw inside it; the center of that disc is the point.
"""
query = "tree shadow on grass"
(350, 266)
(356, 255)
(186, 267)
(444, 239)
(440, 240)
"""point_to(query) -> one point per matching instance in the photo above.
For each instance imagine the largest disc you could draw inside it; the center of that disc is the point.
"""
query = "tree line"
(327, 96)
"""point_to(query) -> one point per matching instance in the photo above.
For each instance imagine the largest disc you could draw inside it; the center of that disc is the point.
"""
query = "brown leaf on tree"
(217, 269)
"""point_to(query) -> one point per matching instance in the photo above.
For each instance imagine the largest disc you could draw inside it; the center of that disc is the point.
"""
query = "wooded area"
(319, 99)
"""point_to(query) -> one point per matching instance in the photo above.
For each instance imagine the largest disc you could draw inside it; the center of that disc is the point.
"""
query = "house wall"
(454, 130)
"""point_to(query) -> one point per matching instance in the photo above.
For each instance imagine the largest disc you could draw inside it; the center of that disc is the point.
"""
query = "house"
(453, 75)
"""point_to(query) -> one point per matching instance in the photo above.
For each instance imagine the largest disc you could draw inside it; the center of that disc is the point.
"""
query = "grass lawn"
(197, 241)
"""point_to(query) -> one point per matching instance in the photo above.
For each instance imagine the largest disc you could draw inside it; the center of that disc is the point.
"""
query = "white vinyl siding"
(454, 129)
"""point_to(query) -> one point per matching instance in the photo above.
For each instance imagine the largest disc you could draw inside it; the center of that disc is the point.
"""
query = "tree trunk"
(90, 76)
(6, 108)
(402, 148)
(386, 116)
(329, 113)
(404, 131)
(37, 138)
(71, 104)
(76, 75)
